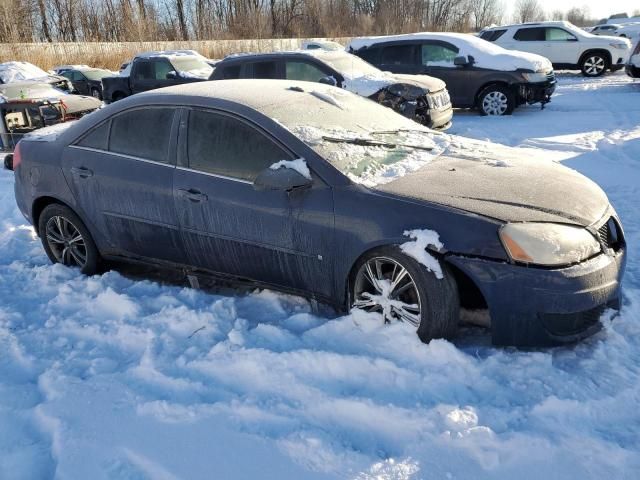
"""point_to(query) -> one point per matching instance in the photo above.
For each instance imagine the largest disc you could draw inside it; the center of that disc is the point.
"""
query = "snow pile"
(423, 239)
(485, 54)
(299, 165)
(372, 165)
(20, 71)
(50, 133)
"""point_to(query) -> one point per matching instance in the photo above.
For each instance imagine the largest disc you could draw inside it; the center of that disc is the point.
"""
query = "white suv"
(567, 46)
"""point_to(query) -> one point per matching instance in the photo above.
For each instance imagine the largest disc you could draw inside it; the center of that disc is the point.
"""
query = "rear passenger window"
(265, 70)
(369, 55)
(143, 133)
(398, 55)
(96, 138)
(226, 146)
(230, 72)
(530, 35)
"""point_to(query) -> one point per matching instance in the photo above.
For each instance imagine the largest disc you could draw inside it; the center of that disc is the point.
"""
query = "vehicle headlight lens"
(535, 77)
(548, 244)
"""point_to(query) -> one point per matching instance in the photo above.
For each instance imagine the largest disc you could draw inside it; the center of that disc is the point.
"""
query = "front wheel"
(594, 65)
(95, 93)
(395, 285)
(496, 100)
(66, 240)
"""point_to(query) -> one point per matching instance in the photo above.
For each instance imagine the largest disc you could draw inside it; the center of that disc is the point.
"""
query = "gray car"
(316, 191)
(478, 74)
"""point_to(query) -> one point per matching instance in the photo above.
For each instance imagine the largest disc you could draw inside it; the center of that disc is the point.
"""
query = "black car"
(420, 97)
(343, 201)
(87, 81)
(478, 73)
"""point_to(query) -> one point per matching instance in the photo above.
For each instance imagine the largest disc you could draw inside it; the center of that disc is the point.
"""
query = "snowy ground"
(113, 378)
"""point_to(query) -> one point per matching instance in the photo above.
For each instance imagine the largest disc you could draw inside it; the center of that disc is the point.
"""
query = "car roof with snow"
(325, 55)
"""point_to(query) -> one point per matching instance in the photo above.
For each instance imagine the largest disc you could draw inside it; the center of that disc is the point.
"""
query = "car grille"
(610, 234)
(439, 100)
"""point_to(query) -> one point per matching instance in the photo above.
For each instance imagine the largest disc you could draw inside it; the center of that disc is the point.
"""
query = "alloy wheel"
(383, 285)
(66, 242)
(495, 103)
(594, 65)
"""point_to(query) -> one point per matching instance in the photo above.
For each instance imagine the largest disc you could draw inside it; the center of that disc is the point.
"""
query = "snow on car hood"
(505, 183)
(367, 85)
(486, 54)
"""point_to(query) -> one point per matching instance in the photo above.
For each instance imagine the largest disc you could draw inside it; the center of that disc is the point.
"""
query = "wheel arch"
(40, 203)
(499, 83)
(591, 51)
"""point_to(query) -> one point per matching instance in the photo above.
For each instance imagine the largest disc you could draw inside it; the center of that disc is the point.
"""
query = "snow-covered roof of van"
(485, 54)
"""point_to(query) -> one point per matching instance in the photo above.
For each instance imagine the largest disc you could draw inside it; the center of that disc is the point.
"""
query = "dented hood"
(430, 84)
(506, 185)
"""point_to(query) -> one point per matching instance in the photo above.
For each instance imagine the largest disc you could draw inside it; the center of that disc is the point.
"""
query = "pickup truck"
(153, 70)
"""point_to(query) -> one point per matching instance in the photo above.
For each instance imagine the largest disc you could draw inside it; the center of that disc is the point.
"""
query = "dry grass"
(112, 55)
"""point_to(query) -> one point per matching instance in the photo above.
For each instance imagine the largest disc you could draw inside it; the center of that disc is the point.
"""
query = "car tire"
(67, 240)
(496, 100)
(95, 93)
(437, 299)
(594, 65)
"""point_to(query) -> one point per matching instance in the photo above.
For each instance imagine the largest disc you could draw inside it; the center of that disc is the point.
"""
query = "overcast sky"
(599, 8)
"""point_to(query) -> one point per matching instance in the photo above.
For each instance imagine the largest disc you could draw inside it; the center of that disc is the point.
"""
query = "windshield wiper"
(399, 130)
(365, 142)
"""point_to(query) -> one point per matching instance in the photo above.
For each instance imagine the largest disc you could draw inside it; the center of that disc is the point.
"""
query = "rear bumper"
(539, 307)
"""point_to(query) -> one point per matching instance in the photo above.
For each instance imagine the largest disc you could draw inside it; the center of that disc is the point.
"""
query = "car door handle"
(193, 195)
(82, 172)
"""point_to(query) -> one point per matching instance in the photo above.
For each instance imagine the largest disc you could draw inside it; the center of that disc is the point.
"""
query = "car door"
(400, 58)
(80, 82)
(149, 74)
(275, 237)
(121, 173)
(437, 60)
(562, 46)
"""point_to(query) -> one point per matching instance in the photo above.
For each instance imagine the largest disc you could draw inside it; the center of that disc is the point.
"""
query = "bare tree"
(486, 12)
(528, 11)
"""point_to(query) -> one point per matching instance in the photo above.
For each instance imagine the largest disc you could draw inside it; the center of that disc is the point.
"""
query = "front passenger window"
(437, 55)
(223, 145)
(304, 71)
(559, 35)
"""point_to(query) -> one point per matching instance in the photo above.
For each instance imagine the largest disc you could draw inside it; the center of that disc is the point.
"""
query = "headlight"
(548, 244)
(535, 77)
(621, 46)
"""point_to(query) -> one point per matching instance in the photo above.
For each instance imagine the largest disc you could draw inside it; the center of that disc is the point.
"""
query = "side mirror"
(329, 80)
(8, 161)
(172, 75)
(461, 61)
(285, 179)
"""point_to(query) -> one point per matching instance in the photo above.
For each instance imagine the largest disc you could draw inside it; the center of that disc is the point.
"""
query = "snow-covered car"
(60, 69)
(419, 97)
(11, 72)
(151, 70)
(605, 29)
(312, 190)
(567, 46)
(28, 106)
(633, 65)
(478, 73)
(629, 30)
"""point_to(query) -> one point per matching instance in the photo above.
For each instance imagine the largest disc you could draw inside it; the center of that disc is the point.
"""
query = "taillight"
(17, 158)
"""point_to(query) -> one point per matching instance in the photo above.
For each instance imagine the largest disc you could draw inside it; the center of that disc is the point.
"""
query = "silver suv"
(567, 46)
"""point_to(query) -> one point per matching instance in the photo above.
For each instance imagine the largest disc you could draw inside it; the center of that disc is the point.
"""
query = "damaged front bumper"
(431, 109)
(534, 307)
(539, 92)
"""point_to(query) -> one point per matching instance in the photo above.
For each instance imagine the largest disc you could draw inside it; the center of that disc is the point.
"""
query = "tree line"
(155, 20)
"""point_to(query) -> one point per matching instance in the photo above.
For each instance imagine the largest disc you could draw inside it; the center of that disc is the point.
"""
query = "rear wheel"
(395, 285)
(594, 65)
(95, 93)
(496, 100)
(66, 240)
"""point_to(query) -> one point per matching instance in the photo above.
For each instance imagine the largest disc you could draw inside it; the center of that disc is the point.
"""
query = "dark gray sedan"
(312, 190)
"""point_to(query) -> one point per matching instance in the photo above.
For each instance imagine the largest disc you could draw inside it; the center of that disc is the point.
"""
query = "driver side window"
(438, 55)
(304, 71)
(226, 146)
(559, 35)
